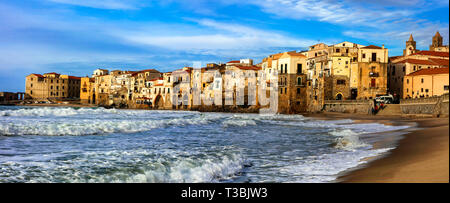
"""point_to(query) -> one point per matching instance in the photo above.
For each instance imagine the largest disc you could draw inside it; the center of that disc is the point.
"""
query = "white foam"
(78, 127)
(348, 140)
(327, 167)
(240, 123)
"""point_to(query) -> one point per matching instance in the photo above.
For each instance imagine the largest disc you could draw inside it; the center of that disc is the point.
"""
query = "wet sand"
(421, 157)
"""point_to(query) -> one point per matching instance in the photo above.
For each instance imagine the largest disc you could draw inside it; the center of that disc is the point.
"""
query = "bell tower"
(410, 46)
(437, 41)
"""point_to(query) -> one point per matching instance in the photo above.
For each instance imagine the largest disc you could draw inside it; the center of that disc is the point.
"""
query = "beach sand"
(421, 157)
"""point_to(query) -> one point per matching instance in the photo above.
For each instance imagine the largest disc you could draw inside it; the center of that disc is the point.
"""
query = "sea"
(98, 145)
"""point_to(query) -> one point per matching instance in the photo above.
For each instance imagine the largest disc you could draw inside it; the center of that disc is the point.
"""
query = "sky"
(76, 37)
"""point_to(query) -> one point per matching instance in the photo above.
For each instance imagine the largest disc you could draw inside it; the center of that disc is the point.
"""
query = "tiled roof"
(371, 47)
(432, 53)
(434, 62)
(149, 70)
(74, 78)
(53, 73)
(234, 62)
(248, 67)
(38, 75)
(296, 54)
(431, 71)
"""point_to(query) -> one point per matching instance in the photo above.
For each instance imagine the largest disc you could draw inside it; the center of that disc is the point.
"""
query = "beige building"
(52, 86)
(427, 83)
(87, 91)
(414, 60)
(372, 72)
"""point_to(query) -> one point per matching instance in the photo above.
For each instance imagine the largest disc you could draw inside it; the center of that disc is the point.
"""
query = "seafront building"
(52, 86)
(414, 60)
(304, 81)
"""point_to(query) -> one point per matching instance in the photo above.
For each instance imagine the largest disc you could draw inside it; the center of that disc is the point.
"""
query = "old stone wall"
(437, 106)
(349, 106)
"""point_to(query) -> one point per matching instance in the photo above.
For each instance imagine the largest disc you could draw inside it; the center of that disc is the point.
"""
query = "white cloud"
(103, 4)
(223, 36)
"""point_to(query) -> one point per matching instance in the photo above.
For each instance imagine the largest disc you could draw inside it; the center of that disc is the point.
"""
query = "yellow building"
(52, 86)
(87, 95)
(426, 83)
(372, 72)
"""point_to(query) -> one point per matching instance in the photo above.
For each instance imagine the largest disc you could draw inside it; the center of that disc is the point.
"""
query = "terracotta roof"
(432, 53)
(296, 54)
(74, 78)
(53, 73)
(159, 85)
(234, 62)
(434, 62)
(371, 47)
(248, 67)
(395, 57)
(431, 71)
(38, 75)
(149, 70)
(277, 56)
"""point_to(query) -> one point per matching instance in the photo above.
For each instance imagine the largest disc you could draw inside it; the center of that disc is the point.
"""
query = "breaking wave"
(93, 127)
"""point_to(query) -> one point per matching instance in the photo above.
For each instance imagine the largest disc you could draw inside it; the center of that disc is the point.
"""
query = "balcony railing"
(374, 74)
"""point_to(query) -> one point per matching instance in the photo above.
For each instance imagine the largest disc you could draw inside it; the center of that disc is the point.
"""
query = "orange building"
(426, 83)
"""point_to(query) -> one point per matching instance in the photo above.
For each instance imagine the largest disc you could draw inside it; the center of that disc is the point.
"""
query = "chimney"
(382, 46)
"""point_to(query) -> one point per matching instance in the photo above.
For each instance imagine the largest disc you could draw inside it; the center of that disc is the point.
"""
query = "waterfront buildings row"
(302, 80)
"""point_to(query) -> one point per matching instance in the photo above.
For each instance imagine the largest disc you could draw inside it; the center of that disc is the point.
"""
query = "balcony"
(374, 74)
(378, 60)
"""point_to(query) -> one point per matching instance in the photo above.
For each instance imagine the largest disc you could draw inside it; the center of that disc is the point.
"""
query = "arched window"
(299, 81)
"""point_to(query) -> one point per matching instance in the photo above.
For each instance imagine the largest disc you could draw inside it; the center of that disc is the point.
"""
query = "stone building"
(87, 91)
(400, 66)
(52, 86)
(437, 44)
(426, 83)
(372, 72)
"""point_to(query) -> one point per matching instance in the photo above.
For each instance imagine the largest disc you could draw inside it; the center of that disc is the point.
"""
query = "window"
(340, 82)
(421, 90)
(445, 87)
(299, 81)
(31, 92)
(31, 85)
(407, 81)
(281, 90)
(51, 87)
(422, 80)
(407, 90)
(298, 90)
(338, 50)
(364, 56)
(285, 68)
(414, 68)
(299, 68)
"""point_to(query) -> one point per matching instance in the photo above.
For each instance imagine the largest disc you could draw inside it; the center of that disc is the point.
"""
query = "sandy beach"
(421, 157)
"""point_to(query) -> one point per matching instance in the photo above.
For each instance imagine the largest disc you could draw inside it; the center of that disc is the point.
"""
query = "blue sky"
(78, 36)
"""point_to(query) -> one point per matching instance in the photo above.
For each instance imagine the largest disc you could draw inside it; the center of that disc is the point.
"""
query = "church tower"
(410, 46)
(437, 41)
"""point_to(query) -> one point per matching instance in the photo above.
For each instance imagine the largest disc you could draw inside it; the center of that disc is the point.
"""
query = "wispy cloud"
(103, 4)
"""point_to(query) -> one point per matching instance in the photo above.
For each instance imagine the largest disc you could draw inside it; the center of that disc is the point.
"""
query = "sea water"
(48, 144)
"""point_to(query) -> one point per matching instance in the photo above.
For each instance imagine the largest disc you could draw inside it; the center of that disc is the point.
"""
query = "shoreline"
(421, 155)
